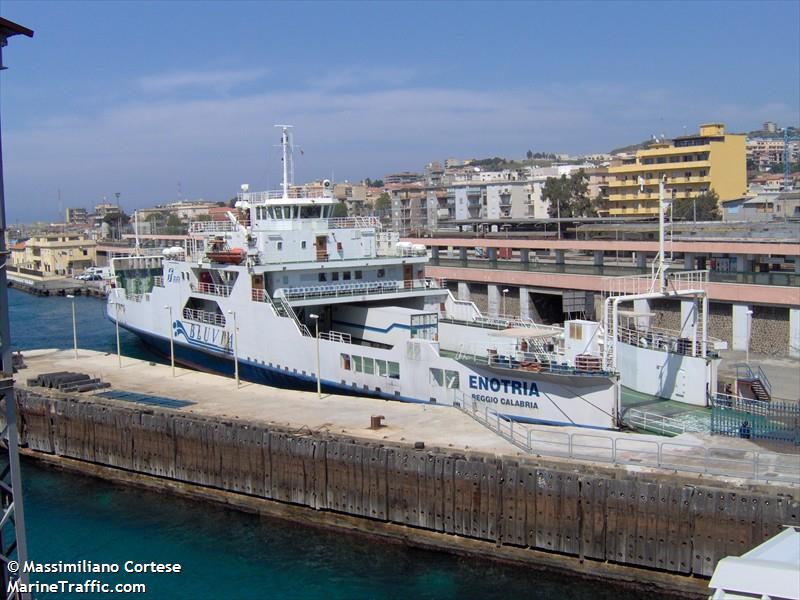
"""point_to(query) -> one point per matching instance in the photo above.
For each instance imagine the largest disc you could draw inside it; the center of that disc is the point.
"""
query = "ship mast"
(286, 158)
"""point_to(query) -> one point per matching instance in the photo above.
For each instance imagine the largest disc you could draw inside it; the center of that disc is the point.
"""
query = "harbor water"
(226, 553)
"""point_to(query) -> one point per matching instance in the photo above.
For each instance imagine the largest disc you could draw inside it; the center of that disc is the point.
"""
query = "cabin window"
(322, 277)
(451, 380)
(303, 244)
(394, 370)
(346, 362)
(381, 273)
(359, 275)
(335, 276)
(369, 366)
(436, 377)
(358, 365)
(380, 367)
(280, 245)
(346, 275)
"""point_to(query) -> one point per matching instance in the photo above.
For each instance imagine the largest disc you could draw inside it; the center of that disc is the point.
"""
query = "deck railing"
(211, 226)
(158, 281)
(365, 288)
(204, 316)
(211, 288)
(354, 223)
(335, 336)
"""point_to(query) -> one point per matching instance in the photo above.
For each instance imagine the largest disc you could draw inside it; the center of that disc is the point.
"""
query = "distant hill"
(632, 147)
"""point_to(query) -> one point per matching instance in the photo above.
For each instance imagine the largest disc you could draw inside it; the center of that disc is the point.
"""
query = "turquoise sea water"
(226, 554)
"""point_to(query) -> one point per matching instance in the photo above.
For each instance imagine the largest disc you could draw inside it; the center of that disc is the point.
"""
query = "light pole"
(116, 326)
(316, 334)
(74, 327)
(171, 341)
(235, 348)
(505, 291)
(747, 344)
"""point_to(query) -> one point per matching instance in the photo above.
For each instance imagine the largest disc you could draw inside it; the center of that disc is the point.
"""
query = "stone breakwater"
(663, 528)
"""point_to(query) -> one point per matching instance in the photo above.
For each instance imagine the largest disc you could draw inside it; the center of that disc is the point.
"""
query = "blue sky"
(135, 97)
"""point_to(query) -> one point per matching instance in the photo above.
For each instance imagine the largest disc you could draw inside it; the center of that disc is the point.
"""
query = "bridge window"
(369, 366)
(358, 364)
(345, 362)
(437, 377)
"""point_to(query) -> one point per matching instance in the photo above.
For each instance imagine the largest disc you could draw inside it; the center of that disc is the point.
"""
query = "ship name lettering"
(494, 384)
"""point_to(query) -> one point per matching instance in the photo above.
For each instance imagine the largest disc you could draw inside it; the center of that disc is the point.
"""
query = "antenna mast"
(287, 157)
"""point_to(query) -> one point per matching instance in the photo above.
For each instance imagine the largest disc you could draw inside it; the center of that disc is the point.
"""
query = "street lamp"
(74, 326)
(171, 341)
(235, 348)
(747, 344)
(116, 326)
(316, 334)
(505, 291)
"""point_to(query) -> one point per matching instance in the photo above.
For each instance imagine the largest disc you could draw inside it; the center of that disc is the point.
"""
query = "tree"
(340, 210)
(529, 154)
(173, 221)
(568, 196)
(383, 203)
(704, 207)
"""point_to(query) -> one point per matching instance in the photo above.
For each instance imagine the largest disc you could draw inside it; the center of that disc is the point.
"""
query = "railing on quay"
(211, 288)
(364, 288)
(648, 421)
(668, 455)
(203, 316)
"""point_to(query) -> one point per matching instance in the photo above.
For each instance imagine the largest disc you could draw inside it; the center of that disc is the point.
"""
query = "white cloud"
(221, 81)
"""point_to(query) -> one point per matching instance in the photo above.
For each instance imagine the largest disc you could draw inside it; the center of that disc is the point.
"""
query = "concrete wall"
(664, 523)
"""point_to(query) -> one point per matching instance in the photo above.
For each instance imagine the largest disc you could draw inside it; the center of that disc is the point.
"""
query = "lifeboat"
(219, 252)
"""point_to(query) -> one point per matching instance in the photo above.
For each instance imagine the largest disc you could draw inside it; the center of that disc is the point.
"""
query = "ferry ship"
(285, 294)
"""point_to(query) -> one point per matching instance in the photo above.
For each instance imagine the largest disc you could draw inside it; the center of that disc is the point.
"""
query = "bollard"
(375, 421)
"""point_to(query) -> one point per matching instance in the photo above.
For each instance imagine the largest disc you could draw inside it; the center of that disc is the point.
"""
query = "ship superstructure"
(283, 286)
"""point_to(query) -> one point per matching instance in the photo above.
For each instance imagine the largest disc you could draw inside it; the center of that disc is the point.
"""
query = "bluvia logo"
(203, 336)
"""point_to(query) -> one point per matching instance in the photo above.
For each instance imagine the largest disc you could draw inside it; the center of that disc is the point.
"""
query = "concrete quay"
(289, 454)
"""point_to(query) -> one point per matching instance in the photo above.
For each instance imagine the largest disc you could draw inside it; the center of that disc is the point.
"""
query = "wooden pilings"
(668, 523)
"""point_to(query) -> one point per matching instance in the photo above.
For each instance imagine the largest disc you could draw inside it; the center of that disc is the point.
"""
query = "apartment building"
(691, 165)
(767, 152)
(55, 254)
(76, 216)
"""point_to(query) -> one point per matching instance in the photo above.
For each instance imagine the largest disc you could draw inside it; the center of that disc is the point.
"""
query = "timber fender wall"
(667, 523)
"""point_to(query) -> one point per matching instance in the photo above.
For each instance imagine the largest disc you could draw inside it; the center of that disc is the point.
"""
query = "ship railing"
(355, 223)
(633, 449)
(364, 288)
(336, 336)
(212, 226)
(534, 362)
(211, 288)
(666, 340)
(292, 193)
(158, 281)
(204, 316)
(284, 309)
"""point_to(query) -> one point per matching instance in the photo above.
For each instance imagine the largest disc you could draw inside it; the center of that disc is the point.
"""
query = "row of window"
(347, 275)
(293, 212)
(371, 366)
(675, 159)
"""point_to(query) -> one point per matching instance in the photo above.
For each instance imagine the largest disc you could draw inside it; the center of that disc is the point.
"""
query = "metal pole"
(319, 375)
(171, 342)
(11, 509)
(74, 327)
(235, 348)
(747, 345)
(661, 275)
(116, 323)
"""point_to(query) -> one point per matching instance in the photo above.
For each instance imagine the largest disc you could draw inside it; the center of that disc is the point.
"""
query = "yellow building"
(691, 165)
(55, 254)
